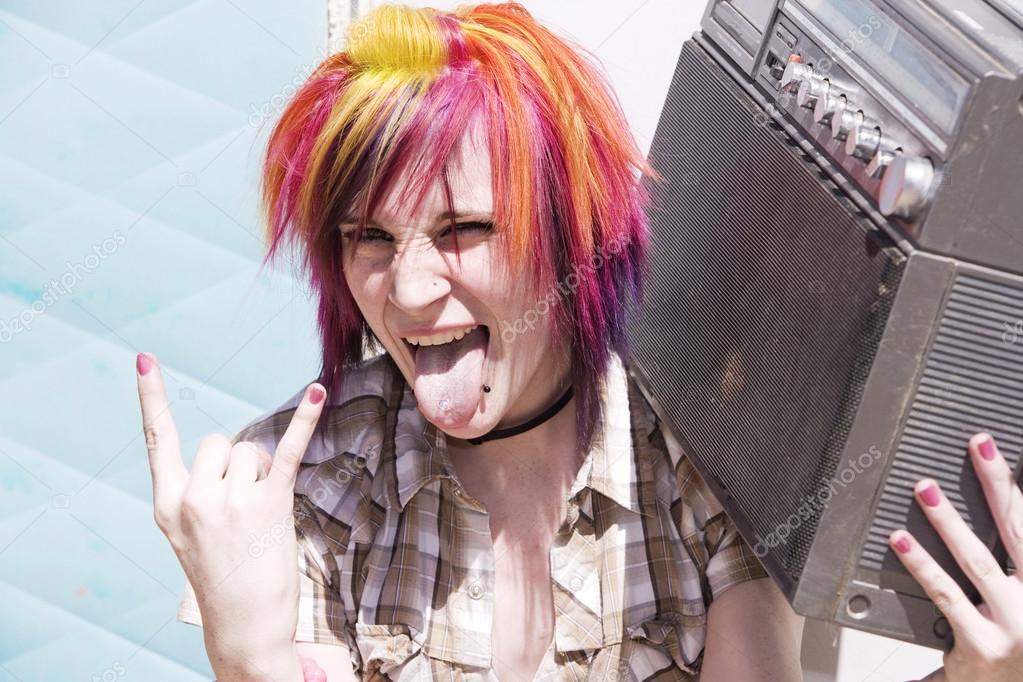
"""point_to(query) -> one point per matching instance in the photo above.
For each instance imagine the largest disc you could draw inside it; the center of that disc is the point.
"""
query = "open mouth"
(413, 348)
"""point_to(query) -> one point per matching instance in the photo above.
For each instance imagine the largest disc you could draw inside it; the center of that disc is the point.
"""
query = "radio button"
(906, 186)
(844, 121)
(795, 73)
(810, 90)
(864, 140)
(827, 106)
(881, 160)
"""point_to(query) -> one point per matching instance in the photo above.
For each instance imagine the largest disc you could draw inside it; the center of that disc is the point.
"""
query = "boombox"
(835, 296)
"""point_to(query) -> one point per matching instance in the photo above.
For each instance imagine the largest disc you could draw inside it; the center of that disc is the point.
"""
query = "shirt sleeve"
(321, 614)
(731, 559)
(711, 538)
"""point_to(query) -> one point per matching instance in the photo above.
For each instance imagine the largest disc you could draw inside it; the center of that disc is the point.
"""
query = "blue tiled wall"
(130, 141)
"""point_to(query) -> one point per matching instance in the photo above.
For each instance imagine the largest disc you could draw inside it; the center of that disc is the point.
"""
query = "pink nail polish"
(311, 670)
(930, 495)
(902, 544)
(316, 395)
(143, 363)
(987, 448)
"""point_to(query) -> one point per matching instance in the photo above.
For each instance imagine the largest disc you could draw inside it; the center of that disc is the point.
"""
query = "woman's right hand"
(230, 522)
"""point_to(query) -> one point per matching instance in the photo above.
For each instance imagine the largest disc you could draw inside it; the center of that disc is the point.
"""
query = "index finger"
(158, 427)
(292, 446)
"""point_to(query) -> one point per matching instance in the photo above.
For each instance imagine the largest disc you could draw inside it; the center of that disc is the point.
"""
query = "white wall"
(638, 44)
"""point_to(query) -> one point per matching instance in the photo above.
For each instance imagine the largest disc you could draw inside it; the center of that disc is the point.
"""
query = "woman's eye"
(370, 234)
(470, 226)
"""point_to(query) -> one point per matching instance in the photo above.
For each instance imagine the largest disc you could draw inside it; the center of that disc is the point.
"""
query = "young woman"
(490, 497)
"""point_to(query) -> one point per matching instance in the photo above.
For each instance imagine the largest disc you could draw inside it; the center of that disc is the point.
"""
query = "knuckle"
(193, 511)
(152, 437)
(982, 567)
(166, 518)
(235, 507)
(1014, 526)
(941, 594)
(244, 447)
(213, 440)
(289, 454)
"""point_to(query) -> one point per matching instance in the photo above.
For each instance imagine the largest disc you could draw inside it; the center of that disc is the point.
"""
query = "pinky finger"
(962, 615)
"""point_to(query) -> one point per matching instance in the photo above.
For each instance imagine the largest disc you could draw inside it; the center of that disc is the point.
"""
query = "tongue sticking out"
(448, 379)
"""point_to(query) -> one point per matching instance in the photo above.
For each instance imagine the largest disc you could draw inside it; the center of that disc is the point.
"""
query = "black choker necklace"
(535, 421)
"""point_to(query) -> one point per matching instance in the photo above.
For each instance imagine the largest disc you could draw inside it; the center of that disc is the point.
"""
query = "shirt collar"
(614, 469)
(610, 468)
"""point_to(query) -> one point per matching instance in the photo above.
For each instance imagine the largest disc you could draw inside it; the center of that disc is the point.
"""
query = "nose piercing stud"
(486, 389)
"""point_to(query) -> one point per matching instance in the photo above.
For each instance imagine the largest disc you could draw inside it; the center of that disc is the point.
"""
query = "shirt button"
(575, 583)
(475, 590)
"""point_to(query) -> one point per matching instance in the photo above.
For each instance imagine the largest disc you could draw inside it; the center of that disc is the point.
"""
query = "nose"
(419, 277)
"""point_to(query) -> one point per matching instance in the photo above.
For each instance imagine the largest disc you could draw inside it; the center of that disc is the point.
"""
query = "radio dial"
(864, 140)
(812, 89)
(844, 121)
(795, 73)
(907, 186)
(881, 160)
(827, 106)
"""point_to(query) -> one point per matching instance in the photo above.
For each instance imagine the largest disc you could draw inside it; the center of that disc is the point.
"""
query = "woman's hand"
(989, 637)
(230, 524)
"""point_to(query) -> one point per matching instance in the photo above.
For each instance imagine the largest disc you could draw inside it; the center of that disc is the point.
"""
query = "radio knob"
(844, 121)
(864, 140)
(812, 89)
(827, 106)
(795, 73)
(881, 160)
(906, 186)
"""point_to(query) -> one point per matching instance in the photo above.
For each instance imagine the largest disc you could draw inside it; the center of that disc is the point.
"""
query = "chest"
(494, 588)
(523, 607)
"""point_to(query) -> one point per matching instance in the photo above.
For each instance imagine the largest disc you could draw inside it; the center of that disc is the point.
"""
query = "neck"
(537, 453)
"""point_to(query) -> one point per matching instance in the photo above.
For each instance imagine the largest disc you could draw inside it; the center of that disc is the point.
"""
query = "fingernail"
(311, 670)
(930, 495)
(987, 448)
(316, 395)
(143, 363)
(902, 544)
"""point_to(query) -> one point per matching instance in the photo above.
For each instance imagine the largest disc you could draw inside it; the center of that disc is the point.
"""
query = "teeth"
(438, 339)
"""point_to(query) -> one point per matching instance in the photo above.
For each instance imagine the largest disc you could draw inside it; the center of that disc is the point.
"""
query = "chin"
(478, 425)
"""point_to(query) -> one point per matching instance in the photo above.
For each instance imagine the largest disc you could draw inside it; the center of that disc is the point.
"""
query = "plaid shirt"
(396, 561)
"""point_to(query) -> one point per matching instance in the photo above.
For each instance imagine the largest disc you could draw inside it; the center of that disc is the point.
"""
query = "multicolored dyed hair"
(568, 201)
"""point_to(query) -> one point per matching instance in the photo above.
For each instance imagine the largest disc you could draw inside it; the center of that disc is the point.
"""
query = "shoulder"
(361, 403)
(710, 536)
(679, 484)
(337, 483)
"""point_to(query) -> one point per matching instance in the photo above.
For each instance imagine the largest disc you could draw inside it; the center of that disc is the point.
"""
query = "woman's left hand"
(989, 637)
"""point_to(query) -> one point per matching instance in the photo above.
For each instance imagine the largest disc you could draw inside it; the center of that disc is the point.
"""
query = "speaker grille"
(972, 381)
(766, 299)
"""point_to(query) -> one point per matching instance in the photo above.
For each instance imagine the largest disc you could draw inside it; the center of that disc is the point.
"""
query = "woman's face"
(418, 301)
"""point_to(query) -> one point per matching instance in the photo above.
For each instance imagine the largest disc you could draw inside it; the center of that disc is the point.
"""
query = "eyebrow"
(442, 216)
